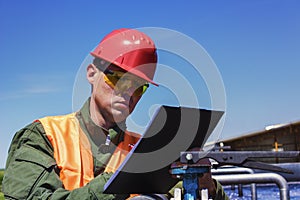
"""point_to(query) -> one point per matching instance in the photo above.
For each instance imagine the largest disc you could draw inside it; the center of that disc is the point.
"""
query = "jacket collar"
(91, 128)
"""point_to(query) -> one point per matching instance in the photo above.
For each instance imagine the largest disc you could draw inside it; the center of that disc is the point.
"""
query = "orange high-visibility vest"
(72, 150)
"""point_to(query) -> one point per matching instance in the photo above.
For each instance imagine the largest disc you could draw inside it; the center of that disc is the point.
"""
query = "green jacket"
(31, 171)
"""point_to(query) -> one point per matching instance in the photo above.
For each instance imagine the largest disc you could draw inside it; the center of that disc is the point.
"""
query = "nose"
(127, 87)
(128, 91)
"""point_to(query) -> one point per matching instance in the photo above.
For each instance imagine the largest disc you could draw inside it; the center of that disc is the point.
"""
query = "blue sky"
(255, 45)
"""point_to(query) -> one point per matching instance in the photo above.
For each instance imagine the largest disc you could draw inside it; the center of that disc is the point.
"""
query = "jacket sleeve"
(220, 193)
(31, 171)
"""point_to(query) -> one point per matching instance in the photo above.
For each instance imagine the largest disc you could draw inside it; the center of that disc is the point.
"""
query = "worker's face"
(111, 103)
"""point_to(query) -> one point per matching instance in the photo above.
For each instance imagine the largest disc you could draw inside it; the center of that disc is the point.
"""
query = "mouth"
(122, 105)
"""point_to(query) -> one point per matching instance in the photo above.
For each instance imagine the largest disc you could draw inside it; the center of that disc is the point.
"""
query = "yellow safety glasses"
(122, 82)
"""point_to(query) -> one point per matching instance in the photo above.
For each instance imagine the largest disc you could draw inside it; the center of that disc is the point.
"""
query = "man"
(73, 156)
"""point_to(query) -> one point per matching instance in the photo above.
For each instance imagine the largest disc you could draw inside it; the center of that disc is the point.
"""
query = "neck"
(98, 118)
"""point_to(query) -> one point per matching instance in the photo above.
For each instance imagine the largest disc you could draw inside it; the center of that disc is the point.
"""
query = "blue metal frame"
(190, 180)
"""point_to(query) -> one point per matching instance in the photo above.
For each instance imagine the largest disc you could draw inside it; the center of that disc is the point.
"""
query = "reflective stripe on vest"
(72, 150)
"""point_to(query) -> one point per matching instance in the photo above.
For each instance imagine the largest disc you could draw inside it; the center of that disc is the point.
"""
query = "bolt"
(189, 156)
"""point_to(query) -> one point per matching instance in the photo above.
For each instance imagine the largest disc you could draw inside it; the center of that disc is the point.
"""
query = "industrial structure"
(281, 137)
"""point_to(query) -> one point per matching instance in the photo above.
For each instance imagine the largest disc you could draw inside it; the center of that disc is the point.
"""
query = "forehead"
(103, 65)
(114, 67)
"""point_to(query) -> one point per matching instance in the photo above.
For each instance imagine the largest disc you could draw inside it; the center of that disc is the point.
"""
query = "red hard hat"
(131, 50)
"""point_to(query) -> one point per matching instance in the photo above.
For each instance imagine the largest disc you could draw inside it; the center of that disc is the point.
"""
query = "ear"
(92, 73)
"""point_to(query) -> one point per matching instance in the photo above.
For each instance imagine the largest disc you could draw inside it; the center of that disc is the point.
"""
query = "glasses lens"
(112, 77)
(121, 81)
(141, 90)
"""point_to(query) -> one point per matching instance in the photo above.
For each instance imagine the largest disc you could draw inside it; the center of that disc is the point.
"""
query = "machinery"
(190, 169)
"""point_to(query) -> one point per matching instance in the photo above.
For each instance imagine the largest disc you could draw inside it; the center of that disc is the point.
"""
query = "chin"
(120, 116)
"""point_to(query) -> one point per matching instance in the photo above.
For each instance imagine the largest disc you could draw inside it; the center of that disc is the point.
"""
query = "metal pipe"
(237, 170)
(232, 170)
(240, 190)
(294, 167)
(257, 178)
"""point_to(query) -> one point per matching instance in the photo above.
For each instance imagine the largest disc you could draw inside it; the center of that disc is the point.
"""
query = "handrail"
(232, 170)
(257, 178)
(237, 170)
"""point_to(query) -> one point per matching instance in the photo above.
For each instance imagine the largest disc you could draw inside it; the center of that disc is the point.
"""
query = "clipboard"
(172, 130)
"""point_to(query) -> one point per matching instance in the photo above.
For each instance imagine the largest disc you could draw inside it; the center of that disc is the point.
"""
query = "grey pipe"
(232, 170)
(257, 178)
(237, 170)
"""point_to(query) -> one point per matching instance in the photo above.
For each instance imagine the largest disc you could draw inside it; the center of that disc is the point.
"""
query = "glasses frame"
(116, 78)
